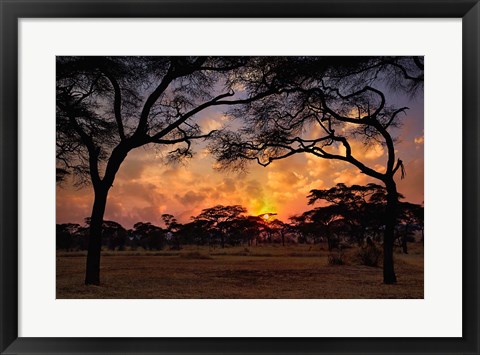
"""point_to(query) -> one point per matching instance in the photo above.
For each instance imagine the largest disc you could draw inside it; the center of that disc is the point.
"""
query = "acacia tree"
(64, 235)
(321, 222)
(358, 205)
(411, 216)
(151, 236)
(108, 106)
(253, 227)
(280, 228)
(323, 104)
(220, 219)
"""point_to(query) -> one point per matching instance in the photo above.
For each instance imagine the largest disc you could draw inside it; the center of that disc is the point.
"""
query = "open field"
(273, 271)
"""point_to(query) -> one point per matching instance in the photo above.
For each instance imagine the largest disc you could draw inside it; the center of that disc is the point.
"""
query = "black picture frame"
(11, 11)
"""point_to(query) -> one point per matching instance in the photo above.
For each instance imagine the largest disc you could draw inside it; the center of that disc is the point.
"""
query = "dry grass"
(299, 271)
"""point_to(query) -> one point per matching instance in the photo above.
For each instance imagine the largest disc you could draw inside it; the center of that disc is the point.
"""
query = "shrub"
(336, 259)
(370, 255)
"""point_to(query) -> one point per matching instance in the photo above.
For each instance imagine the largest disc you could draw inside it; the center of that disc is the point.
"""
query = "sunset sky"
(145, 187)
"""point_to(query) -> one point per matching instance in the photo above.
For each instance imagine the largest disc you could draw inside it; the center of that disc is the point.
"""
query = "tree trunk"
(389, 276)
(92, 275)
(101, 188)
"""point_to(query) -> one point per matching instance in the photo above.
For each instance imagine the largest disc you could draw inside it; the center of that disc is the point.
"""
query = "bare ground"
(258, 272)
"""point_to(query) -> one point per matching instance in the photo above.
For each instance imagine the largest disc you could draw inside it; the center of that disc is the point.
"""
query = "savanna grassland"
(270, 271)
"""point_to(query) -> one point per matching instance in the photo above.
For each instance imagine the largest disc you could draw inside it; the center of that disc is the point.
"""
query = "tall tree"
(108, 106)
(322, 105)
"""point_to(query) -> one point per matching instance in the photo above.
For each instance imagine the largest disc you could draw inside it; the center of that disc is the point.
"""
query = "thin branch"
(394, 114)
(93, 151)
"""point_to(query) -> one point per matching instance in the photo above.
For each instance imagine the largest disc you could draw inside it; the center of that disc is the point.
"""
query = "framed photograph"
(239, 177)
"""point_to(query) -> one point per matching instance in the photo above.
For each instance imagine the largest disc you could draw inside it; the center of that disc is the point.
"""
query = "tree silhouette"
(359, 206)
(362, 209)
(411, 218)
(65, 233)
(113, 233)
(108, 106)
(321, 106)
(151, 236)
(220, 219)
(195, 232)
(172, 229)
(248, 228)
(321, 222)
(280, 228)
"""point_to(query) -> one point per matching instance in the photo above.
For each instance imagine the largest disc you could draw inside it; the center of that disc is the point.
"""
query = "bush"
(370, 255)
(336, 259)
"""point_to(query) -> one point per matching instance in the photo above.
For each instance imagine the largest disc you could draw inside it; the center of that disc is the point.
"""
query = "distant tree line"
(349, 215)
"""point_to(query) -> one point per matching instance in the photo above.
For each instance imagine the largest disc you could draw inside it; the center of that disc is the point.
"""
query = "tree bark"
(389, 276)
(101, 188)
(92, 275)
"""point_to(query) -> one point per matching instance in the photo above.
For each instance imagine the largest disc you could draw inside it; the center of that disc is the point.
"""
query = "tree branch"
(92, 151)
(117, 103)
(182, 139)
(189, 114)
(394, 114)
(172, 74)
(152, 98)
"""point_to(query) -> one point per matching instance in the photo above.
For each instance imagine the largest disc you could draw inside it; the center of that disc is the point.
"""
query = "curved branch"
(152, 98)
(394, 114)
(189, 114)
(117, 103)
(405, 72)
(348, 158)
(185, 138)
(363, 120)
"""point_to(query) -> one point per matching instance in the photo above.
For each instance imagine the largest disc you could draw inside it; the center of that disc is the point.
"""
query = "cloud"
(351, 176)
(131, 169)
(364, 152)
(318, 167)
(191, 198)
(73, 205)
(145, 187)
(412, 186)
(212, 122)
(419, 140)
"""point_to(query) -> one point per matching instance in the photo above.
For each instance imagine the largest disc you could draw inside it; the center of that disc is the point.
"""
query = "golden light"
(266, 216)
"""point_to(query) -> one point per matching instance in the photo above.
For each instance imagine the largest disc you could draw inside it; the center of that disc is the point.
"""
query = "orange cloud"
(419, 140)
(145, 187)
